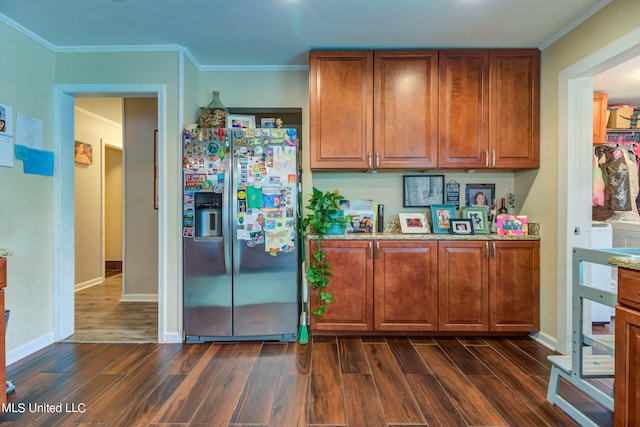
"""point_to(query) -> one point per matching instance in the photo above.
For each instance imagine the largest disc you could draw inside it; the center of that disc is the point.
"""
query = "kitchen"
(535, 186)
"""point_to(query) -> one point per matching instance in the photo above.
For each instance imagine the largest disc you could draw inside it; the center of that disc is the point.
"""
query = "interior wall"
(140, 218)
(93, 127)
(113, 207)
(26, 204)
(550, 183)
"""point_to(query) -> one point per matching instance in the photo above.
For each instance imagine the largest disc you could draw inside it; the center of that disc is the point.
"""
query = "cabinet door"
(341, 109)
(405, 286)
(514, 130)
(463, 286)
(626, 410)
(405, 109)
(600, 101)
(514, 286)
(463, 139)
(351, 284)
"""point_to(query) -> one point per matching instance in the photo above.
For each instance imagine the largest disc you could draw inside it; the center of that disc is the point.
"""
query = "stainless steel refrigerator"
(241, 278)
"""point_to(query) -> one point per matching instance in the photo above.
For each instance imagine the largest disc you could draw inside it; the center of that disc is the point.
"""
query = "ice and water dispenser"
(208, 218)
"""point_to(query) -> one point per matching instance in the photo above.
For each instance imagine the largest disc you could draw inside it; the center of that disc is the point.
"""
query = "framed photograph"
(441, 216)
(238, 121)
(413, 223)
(479, 218)
(461, 226)
(84, 153)
(421, 191)
(480, 194)
(512, 225)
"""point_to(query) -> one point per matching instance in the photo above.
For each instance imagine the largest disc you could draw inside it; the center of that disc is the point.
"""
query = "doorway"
(63, 183)
(574, 126)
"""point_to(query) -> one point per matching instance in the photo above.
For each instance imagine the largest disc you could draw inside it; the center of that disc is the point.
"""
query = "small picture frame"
(441, 216)
(84, 153)
(421, 191)
(512, 225)
(461, 226)
(480, 194)
(479, 218)
(239, 121)
(413, 223)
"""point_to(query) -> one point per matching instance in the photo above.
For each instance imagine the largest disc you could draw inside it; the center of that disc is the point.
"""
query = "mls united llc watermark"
(62, 407)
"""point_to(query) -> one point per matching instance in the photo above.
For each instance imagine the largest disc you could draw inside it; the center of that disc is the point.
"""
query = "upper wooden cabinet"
(341, 109)
(600, 101)
(421, 109)
(405, 109)
(489, 108)
(464, 109)
(373, 109)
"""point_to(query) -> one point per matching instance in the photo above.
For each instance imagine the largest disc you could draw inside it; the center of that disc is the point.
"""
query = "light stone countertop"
(631, 262)
(427, 236)
(5, 252)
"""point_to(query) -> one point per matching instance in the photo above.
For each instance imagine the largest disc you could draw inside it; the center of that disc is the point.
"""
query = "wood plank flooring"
(332, 381)
(101, 317)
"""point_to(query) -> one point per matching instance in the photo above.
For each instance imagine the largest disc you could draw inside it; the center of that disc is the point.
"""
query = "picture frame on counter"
(461, 226)
(421, 191)
(441, 216)
(479, 218)
(241, 121)
(480, 194)
(413, 223)
(512, 225)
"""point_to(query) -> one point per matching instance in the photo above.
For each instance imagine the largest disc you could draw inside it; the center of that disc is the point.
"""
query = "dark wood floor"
(333, 381)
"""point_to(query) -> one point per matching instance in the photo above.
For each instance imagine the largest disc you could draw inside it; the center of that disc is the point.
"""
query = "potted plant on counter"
(325, 217)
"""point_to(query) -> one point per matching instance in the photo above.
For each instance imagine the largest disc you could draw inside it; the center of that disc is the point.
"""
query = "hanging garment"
(597, 184)
(616, 177)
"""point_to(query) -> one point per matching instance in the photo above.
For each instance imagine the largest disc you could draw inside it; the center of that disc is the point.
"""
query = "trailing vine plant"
(325, 217)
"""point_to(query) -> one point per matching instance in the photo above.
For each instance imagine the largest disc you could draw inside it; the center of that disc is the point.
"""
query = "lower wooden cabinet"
(3, 356)
(446, 286)
(626, 401)
(405, 286)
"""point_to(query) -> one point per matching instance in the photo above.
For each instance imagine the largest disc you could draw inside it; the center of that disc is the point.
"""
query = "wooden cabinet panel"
(514, 286)
(351, 284)
(627, 368)
(340, 107)
(463, 286)
(514, 130)
(3, 272)
(405, 286)
(463, 108)
(405, 109)
(3, 355)
(600, 103)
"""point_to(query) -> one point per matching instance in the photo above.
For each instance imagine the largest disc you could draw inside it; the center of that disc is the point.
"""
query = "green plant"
(324, 217)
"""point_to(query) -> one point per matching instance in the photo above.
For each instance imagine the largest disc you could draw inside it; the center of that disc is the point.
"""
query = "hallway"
(100, 317)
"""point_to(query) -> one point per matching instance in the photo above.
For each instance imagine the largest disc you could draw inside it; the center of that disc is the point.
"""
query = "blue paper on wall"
(38, 162)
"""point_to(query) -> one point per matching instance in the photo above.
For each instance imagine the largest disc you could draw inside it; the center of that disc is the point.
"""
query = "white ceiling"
(263, 34)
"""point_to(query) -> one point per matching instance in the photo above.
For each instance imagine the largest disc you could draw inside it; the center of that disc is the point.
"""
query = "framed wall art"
(461, 226)
(84, 153)
(413, 223)
(239, 121)
(480, 194)
(441, 216)
(479, 218)
(421, 191)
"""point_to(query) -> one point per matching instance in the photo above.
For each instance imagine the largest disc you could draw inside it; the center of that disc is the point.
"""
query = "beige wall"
(113, 208)
(140, 218)
(26, 201)
(97, 121)
(611, 23)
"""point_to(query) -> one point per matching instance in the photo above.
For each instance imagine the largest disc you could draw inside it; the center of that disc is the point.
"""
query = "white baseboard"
(546, 340)
(172, 338)
(139, 298)
(89, 283)
(29, 348)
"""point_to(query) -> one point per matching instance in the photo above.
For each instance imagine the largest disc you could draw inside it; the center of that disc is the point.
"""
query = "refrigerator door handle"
(234, 213)
(226, 224)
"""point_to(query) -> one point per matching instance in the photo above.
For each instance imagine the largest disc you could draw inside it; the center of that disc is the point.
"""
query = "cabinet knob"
(369, 161)
(486, 159)
(493, 158)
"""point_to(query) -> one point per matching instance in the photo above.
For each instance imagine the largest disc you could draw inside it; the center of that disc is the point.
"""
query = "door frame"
(63, 197)
(575, 120)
